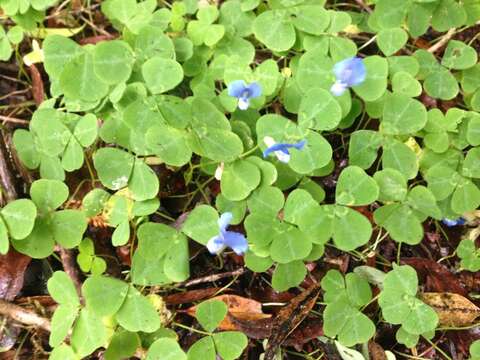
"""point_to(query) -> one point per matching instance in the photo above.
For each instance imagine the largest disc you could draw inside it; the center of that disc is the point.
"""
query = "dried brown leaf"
(290, 317)
(238, 307)
(452, 309)
(12, 271)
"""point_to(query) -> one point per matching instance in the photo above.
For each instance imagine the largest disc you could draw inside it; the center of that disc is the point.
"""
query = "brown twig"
(9, 192)
(24, 316)
(364, 6)
(443, 41)
(13, 120)
(211, 278)
(70, 267)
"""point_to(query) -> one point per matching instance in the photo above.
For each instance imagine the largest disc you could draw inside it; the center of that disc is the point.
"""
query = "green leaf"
(137, 313)
(391, 40)
(392, 184)
(94, 202)
(62, 321)
(162, 74)
(230, 344)
(237, 208)
(471, 164)
(143, 182)
(63, 352)
(72, 158)
(121, 234)
(315, 71)
(165, 349)
(211, 313)
(202, 349)
(441, 84)
(363, 149)
(375, 83)
(239, 179)
(289, 245)
(351, 326)
(422, 199)
(201, 224)
(391, 13)
(266, 200)
(4, 243)
(39, 243)
(26, 149)
(401, 223)
(104, 295)
(447, 15)
(89, 333)
(86, 130)
(459, 56)
(162, 253)
(170, 144)
(312, 19)
(68, 227)
(257, 263)
(19, 217)
(79, 80)
(122, 345)
(113, 61)
(62, 290)
(466, 197)
(288, 275)
(403, 115)
(398, 156)
(355, 187)
(58, 51)
(275, 30)
(351, 229)
(48, 195)
(51, 134)
(319, 110)
(316, 154)
(405, 84)
(114, 167)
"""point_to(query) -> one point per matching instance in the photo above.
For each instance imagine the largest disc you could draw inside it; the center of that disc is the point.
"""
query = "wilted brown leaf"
(452, 309)
(12, 271)
(238, 307)
(290, 317)
(376, 351)
(191, 296)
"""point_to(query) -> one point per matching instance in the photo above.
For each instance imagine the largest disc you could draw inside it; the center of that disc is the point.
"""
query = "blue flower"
(234, 240)
(455, 222)
(281, 150)
(244, 92)
(348, 73)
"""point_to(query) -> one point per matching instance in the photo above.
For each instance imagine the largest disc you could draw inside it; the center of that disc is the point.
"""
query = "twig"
(364, 6)
(9, 191)
(13, 120)
(443, 40)
(211, 278)
(24, 316)
(70, 267)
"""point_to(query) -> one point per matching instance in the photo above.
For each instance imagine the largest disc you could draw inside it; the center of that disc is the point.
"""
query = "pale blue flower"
(234, 240)
(244, 92)
(281, 150)
(348, 73)
(454, 222)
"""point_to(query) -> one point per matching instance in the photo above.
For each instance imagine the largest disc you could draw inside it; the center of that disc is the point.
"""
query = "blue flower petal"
(224, 221)
(454, 222)
(300, 145)
(350, 71)
(283, 147)
(237, 242)
(237, 88)
(216, 245)
(254, 90)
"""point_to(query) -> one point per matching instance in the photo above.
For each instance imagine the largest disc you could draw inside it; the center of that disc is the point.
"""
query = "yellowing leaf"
(452, 309)
(42, 33)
